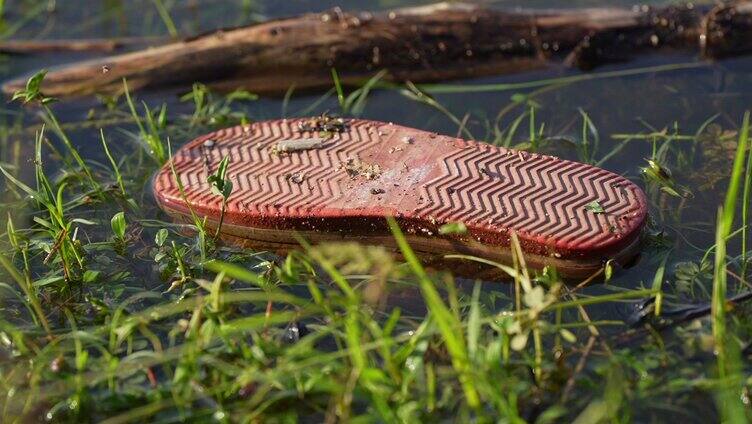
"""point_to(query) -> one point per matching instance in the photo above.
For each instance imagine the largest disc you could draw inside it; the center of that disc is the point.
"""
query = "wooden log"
(727, 30)
(26, 47)
(437, 42)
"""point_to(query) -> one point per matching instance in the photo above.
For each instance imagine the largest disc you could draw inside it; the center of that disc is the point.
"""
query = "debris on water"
(325, 125)
(296, 177)
(595, 207)
(453, 228)
(57, 364)
(294, 332)
(296, 145)
(357, 168)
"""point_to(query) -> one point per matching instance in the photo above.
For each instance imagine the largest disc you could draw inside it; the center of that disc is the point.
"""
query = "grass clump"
(111, 312)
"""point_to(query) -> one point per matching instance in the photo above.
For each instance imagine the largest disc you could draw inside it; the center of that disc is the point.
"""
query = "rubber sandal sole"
(328, 179)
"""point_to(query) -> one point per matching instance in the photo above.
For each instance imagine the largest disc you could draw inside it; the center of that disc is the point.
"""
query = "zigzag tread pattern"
(266, 183)
(552, 201)
(426, 178)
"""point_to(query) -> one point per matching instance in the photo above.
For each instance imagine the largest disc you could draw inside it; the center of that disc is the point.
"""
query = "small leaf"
(220, 185)
(118, 225)
(17, 95)
(33, 83)
(43, 222)
(518, 98)
(91, 276)
(671, 191)
(81, 359)
(241, 95)
(453, 228)
(161, 237)
(608, 270)
(568, 335)
(31, 92)
(162, 117)
(595, 207)
(227, 189)
(47, 281)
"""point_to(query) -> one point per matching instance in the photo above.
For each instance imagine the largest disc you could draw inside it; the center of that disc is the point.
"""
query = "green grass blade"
(658, 284)
(727, 355)
(745, 213)
(340, 91)
(164, 14)
(448, 324)
(484, 88)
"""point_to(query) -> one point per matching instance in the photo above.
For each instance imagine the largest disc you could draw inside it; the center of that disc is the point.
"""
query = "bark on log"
(436, 42)
(25, 47)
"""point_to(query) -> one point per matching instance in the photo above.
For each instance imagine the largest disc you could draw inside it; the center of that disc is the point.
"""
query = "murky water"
(682, 99)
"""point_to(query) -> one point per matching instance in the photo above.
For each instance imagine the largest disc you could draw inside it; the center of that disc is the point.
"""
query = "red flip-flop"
(330, 179)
